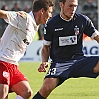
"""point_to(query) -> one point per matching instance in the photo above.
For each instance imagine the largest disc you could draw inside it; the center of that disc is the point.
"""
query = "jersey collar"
(68, 20)
(31, 14)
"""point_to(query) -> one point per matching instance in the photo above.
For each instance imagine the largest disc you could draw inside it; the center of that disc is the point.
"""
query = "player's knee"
(48, 89)
(27, 94)
(45, 91)
(96, 68)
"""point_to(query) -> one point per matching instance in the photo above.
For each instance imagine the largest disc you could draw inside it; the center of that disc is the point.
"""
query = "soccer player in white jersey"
(17, 36)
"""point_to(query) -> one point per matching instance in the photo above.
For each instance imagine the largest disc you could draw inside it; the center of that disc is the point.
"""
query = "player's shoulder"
(54, 19)
(22, 14)
(81, 16)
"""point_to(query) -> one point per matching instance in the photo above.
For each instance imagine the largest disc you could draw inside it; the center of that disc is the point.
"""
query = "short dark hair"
(63, 1)
(39, 4)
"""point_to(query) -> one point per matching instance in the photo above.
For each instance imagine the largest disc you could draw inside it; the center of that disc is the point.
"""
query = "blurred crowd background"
(87, 7)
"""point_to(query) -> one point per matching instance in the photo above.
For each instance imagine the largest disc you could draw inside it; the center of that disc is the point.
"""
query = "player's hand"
(43, 66)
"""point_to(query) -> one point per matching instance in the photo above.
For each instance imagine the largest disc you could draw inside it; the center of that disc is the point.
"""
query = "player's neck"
(36, 16)
(64, 17)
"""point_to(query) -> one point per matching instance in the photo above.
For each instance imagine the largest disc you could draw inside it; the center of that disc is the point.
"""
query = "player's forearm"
(3, 14)
(45, 53)
(97, 38)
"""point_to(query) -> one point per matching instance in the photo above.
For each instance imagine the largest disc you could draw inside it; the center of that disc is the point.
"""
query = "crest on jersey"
(44, 31)
(76, 30)
(5, 74)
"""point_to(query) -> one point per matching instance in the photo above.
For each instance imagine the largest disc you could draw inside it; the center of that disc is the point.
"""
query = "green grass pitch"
(74, 88)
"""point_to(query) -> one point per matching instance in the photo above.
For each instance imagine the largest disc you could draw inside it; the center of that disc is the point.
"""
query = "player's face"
(46, 15)
(68, 8)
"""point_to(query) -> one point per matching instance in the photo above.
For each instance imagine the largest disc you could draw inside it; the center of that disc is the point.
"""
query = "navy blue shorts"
(79, 66)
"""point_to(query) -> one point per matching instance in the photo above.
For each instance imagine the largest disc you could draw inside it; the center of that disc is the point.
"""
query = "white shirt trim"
(31, 14)
(65, 19)
(95, 34)
(47, 42)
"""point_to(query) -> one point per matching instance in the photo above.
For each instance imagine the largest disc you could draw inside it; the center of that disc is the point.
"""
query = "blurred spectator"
(3, 24)
(27, 9)
(16, 7)
(4, 7)
(79, 7)
(89, 6)
(57, 8)
(90, 9)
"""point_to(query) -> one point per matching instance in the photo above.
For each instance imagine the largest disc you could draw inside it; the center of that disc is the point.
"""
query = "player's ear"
(61, 4)
(42, 10)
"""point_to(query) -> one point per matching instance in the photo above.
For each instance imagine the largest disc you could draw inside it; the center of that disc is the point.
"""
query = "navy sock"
(38, 96)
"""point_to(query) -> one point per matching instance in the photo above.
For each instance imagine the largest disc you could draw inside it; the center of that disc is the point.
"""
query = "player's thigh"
(96, 68)
(84, 67)
(4, 91)
(22, 88)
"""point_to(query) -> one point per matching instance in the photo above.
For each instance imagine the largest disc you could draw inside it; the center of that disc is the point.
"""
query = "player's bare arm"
(3, 14)
(45, 53)
(45, 57)
(97, 38)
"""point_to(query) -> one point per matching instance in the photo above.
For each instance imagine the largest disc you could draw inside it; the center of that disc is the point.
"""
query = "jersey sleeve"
(47, 33)
(89, 28)
(16, 19)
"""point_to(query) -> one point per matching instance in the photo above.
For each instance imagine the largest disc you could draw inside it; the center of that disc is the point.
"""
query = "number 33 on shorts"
(51, 71)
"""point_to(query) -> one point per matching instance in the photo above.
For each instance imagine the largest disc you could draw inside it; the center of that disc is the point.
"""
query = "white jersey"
(17, 36)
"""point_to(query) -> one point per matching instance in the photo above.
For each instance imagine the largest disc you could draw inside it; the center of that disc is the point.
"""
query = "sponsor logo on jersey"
(69, 40)
(72, 39)
(59, 29)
